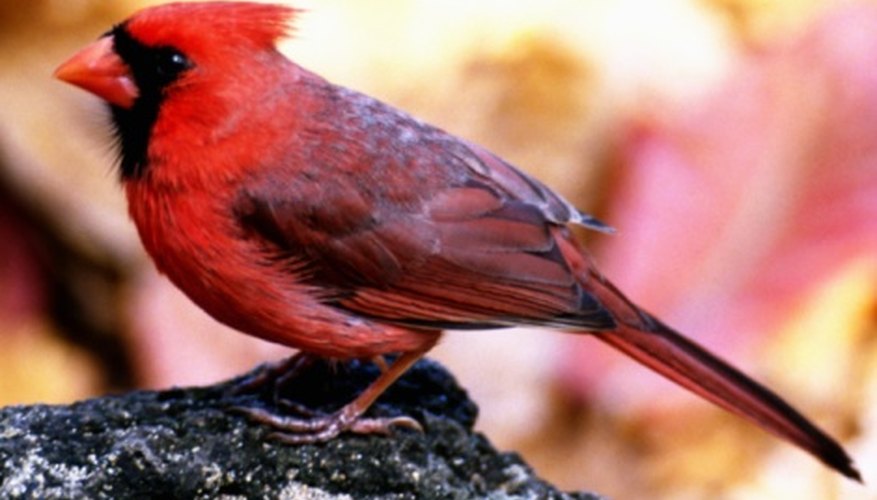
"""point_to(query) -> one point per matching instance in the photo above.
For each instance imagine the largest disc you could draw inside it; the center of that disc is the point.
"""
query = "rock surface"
(185, 443)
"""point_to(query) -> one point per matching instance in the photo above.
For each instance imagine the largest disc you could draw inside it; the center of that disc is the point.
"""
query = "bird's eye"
(169, 63)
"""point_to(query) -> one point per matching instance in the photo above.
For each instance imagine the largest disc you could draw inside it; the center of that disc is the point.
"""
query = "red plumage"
(319, 218)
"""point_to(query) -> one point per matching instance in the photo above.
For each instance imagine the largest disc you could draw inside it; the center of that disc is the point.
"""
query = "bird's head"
(173, 52)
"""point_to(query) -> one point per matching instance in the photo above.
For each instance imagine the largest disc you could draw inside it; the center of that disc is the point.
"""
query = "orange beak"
(98, 69)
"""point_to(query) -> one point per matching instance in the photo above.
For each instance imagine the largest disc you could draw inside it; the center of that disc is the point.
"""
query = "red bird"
(317, 217)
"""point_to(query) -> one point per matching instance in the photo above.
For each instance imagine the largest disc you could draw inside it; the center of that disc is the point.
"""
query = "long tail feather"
(665, 351)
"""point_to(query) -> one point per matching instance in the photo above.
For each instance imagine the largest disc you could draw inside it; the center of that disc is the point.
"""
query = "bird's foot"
(316, 427)
(312, 426)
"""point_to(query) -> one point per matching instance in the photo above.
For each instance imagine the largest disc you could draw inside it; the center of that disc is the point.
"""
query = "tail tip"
(851, 472)
(844, 464)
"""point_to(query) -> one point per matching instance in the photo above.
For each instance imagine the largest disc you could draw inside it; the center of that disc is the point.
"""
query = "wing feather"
(437, 234)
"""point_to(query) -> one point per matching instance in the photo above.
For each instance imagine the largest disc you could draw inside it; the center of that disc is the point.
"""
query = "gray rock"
(185, 443)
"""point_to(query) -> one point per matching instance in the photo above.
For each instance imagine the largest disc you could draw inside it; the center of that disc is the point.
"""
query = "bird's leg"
(381, 363)
(319, 428)
(277, 374)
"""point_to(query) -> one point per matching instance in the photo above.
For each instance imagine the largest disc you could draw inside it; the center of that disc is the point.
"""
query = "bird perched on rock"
(317, 217)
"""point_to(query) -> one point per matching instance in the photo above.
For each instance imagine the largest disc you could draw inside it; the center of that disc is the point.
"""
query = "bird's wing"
(471, 243)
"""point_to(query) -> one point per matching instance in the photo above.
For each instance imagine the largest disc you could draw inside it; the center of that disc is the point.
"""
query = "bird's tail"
(657, 346)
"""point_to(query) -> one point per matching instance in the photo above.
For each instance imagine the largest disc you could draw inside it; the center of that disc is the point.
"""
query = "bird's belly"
(229, 277)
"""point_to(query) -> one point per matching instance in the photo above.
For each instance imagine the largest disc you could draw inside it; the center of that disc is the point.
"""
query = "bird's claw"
(318, 428)
(310, 426)
(298, 408)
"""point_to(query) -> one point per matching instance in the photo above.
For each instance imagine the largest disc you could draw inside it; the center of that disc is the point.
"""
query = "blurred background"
(732, 143)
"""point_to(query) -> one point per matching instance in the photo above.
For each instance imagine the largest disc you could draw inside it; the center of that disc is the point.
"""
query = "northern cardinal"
(317, 217)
